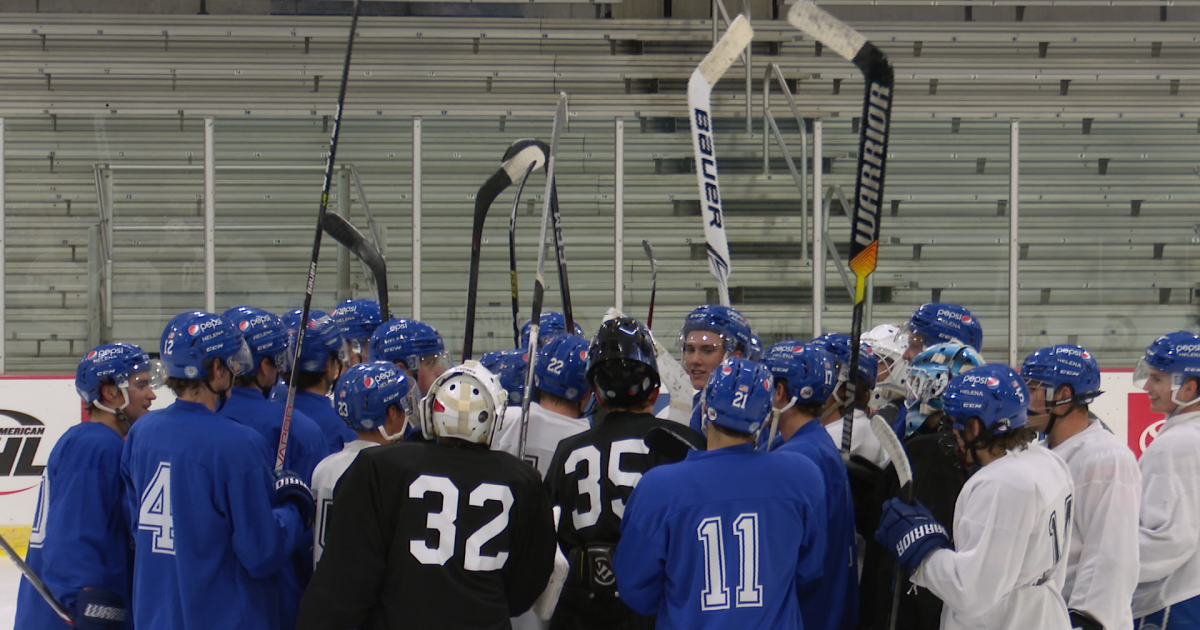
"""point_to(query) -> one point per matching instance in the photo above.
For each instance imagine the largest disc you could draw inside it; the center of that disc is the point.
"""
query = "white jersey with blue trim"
(546, 430)
(1011, 536)
(324, 480)
(862, 440)
(1169, 528)
(1102, 561)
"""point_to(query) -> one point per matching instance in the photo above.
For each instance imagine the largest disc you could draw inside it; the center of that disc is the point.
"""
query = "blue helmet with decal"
(322, 341)
(407, 341)
(192, 339)
(550, 325)
(357, 319)
(1177, 354)
(808, 369)
(993, 392)
(365, 391)
(1064, 364)
(755, 353)
(726, 322)
(932, 370)
(509, 367)
(838, 346)
(561, 368)
(264, 334)
(291, 319)
(940, 322)
(739, 395)
(113, 363)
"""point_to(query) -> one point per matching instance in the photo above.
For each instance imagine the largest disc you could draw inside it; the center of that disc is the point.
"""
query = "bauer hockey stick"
(37, 583)
(653, 279)
(343, 232)
(882, 428)
(512, 254)
(518, 160)
(539, 285)
(699, 96)
(872, 160)
(285, 428)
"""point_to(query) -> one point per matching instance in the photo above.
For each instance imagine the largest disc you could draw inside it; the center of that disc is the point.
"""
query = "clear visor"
(241, 362)
(157, 372)
(704, 338)
(411, 404)
(343, 353)
(441, 358)
(1141, 373)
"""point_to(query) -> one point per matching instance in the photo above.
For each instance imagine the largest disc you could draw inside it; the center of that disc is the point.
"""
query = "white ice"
(10, 580)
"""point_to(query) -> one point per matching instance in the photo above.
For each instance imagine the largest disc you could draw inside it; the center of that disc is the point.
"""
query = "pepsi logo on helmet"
(204, 326)
(954, 315)
(798, 349)
(725, 369)
(992, 382)
(368, 382)
(91, 355)
(966, 319)
(244, 325)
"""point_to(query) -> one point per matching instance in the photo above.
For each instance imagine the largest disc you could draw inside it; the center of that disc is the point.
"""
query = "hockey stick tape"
(729, 48)
(827, 29)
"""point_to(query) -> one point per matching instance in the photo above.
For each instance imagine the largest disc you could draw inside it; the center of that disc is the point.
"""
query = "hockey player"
(1012, 521)
(561, 396)
(804, 379)
(1168, 591)
(322, 359)
(413, 345)
(509, 366)
(447, 534)
(593, 473)
(889, 344)
(199, 495)
(550, 325)
(939, 322)
(711, 334)
(372, 398)
(863, 442)
(357, 321)
(1101, 559)
(79, 542)
(706, 544)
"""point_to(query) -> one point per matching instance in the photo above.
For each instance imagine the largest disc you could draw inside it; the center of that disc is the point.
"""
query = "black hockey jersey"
(427, 536)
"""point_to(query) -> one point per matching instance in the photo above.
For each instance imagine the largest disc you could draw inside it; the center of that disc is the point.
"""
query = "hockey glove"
(1083, 621)
(911, 532)
(290, 487)
(99, 609)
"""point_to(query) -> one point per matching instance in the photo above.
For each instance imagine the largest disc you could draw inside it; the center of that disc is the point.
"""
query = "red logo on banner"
(1144, 424)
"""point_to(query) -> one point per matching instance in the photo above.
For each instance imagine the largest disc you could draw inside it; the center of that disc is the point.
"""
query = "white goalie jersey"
(546, 430)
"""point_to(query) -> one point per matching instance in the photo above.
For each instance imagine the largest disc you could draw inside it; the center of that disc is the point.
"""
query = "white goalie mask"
(465, 402)
(889, 343)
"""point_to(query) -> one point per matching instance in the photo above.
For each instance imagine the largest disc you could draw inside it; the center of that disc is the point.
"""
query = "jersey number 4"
(715, 595)
(155, 513)
(443, 522)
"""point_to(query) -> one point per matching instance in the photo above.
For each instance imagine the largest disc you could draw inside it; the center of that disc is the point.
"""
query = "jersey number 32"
(444, 523)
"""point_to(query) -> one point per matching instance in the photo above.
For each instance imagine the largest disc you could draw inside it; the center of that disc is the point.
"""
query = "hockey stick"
(512, 256)
(343, 232)
(517, 160)
(37, 583)
(560, 251)
(539, 285)
(882, 428)
(872, 160)
(700, 87)
(285, 428)
(653, 279)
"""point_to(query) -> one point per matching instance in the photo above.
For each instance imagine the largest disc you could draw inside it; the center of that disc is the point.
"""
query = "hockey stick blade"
(653, 280)
(38, 584)
(882, 429)
(699, 98)
(343, 232)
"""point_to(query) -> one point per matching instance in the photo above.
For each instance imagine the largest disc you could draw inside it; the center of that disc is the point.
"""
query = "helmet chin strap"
(119, 412)
(775, 415)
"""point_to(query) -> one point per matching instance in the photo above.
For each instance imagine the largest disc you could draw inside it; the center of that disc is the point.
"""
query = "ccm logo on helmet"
(204, 326)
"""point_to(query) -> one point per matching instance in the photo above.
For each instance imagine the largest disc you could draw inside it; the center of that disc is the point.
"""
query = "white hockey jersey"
(1169, 528)
(1102, 559)
(325, 478)
(862, 440)
(546, 430)
(1011, 535)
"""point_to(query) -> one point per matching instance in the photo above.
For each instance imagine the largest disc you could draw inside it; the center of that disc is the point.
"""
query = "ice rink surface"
(10, 580)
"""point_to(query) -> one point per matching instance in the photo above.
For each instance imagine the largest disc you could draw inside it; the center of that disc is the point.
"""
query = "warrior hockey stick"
(700, 86)
(37, 582)
(872, 159)
(518, 160)
(285, 428)
(653, 279)
(343, 232)
(512, 254)
(882, 428)
(539, 285)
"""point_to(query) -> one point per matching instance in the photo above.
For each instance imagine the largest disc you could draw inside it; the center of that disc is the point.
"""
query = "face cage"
(924, 387)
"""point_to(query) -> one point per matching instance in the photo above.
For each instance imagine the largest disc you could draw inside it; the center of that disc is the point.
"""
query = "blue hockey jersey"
(208, 542)
(320, 409)
(832, 602)
(721, 540)
(79, 536)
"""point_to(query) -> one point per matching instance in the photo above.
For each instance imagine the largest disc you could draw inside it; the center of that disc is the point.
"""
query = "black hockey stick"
(512, 246)
(872, 160)
(699, 96)
(882, 428)
(560, 253)
(653, 279)
(37, 583)
(343, 232)
(539, 285)
(517, 160)
(285, 428)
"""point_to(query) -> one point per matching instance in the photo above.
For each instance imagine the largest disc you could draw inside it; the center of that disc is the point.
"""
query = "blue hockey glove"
(290, 487)
(99, 609)
(911, 532)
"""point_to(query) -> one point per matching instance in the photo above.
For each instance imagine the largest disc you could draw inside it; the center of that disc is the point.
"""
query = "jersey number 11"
(715, 595)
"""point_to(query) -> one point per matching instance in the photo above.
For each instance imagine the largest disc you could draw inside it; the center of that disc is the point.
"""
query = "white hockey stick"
(699, 98)
(882, 429)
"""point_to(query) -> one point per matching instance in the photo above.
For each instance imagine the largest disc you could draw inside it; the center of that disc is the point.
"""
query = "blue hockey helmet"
(357, 319)
(739, 395)
(193, 338)
(114, 363)
(726, 322)
(321, 341)
(509, 367)
(838, 346)
(1177, 354)
(264, 334)
(1064, 364)
(364, 393)
(932, 370)
(407, 341)
(291, 319)
(993, 392)
(808, 369)
(561, 368)
(940, 322)
(550, 325)
(622, 365)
